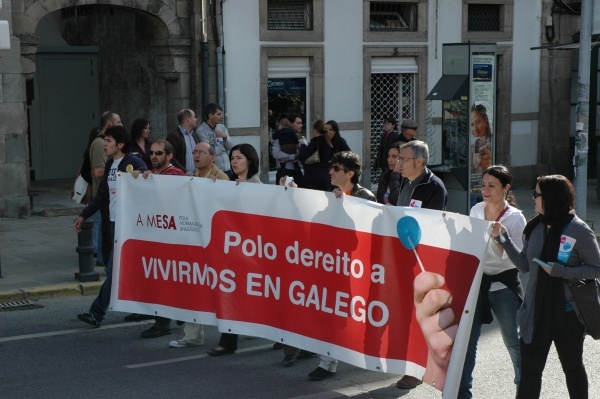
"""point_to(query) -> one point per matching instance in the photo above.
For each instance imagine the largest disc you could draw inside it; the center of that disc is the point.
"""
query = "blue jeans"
(100, 304)
(97, 235)
(505, 305)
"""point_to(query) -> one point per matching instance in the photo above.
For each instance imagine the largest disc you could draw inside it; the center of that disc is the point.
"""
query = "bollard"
(85, 249)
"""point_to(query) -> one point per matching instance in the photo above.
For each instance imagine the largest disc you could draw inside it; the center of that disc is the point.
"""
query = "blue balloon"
(409, 232)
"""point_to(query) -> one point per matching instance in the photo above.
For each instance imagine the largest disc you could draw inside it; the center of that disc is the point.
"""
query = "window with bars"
(393, 17)
(290, 15)
(484, 17)
(392, 94)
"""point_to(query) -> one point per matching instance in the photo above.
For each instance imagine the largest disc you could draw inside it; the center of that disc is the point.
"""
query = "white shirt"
(112, 188)
(497, 261)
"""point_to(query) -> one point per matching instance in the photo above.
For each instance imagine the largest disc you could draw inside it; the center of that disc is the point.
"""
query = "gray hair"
(420, 150)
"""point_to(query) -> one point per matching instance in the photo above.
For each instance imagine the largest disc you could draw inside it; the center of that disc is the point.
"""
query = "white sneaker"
(182, 343)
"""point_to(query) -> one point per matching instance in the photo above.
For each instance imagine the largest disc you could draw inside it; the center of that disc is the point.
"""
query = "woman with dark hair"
(383, 184)
(244, 164)
(500, 291)
(140, 143)
(568, 250)
(337, 141)
(316, 175)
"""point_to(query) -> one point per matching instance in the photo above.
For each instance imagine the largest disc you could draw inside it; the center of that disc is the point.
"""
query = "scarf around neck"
(549, 304)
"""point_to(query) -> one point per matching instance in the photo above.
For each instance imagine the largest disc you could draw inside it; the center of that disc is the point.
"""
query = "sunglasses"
(159, 153)
(536, 194)
(336, 168)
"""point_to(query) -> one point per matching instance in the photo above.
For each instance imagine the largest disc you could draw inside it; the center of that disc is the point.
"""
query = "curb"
(50, 291)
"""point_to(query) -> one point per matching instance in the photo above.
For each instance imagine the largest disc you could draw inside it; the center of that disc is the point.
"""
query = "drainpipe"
(583, 109)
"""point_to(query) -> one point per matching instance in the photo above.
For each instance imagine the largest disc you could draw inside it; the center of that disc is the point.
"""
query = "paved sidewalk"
(38, 257)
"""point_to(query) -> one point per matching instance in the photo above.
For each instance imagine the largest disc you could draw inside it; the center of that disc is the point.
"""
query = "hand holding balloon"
(409, 233)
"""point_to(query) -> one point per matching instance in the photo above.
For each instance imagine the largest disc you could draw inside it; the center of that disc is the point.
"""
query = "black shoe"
(306, 354)
(138, 317)
(289, 360)
(219, 352)
(179, 322)
(88, 318)
(98, 263)
(320, 374)
(155, 332)
(277, 346)
(408, 382)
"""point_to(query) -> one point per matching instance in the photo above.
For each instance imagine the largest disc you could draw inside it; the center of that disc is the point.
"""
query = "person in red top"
(161, 154)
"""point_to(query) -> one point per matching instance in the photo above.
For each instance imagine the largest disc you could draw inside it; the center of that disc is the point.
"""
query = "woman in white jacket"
(501, 291)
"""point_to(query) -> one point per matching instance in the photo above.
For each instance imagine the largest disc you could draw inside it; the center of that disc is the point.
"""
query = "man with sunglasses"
(161, 155)
(345, 170)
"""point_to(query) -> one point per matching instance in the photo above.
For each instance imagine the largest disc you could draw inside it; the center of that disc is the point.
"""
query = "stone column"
(14, 157)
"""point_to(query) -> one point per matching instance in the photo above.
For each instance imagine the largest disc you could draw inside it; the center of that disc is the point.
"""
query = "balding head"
(204, 157)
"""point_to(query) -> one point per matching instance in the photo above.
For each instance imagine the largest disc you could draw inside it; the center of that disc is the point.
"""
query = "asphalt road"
(48, 353)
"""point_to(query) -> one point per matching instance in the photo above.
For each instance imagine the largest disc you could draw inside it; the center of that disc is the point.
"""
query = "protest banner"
(296, 266)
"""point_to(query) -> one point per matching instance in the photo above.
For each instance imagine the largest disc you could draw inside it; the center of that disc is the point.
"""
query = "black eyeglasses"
(337, 168)
(159, 153)
(536, 194)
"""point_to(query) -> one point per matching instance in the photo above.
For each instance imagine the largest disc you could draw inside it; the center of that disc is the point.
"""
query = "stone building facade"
(150, 58)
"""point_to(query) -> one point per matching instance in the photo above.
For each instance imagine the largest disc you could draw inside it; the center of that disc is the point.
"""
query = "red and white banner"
(297, 266)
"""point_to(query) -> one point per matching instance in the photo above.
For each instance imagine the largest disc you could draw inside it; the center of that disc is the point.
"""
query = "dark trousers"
(100, 304)
(569, 346)
(228, 341)
(162, 322)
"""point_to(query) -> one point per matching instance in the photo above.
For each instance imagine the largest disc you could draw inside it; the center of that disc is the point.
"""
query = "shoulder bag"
(587, 298)
(314, 158)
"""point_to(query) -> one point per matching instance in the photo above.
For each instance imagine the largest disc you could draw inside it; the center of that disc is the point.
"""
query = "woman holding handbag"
(315, 159)
(558, 247)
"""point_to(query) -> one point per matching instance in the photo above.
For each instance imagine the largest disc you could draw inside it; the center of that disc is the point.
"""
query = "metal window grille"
(393, 17)
(289, 15)
(484, 17)
(392, 94)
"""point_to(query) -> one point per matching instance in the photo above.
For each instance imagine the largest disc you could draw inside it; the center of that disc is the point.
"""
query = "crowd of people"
(530, 319)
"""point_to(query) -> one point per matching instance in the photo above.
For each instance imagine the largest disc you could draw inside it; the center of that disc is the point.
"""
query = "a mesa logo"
(166, 222)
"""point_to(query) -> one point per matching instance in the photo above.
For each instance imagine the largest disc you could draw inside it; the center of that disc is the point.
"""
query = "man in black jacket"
(184, 138)
(418, 188)
(120, 159)
(389, 136)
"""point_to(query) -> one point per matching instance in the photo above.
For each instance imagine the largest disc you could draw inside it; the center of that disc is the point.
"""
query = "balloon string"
(416, 254)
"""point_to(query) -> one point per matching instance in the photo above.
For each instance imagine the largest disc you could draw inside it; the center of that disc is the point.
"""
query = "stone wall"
(14, 155)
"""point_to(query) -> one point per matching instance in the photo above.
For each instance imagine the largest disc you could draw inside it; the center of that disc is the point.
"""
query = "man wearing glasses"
(161, 154)
(418, 188)
(204, 161)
